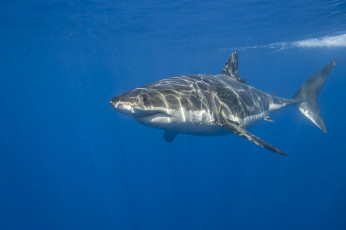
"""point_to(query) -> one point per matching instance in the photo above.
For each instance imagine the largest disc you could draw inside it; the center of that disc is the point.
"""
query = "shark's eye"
(144, 98)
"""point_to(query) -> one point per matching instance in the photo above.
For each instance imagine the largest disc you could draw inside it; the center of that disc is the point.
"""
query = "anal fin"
(267, 118)
(235, 128)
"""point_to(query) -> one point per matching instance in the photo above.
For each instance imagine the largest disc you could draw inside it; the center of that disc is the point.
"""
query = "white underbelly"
(251, 120)
(199, 129)
(199, 123)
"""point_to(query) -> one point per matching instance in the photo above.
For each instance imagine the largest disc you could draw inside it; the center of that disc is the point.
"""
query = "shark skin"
(211, 105)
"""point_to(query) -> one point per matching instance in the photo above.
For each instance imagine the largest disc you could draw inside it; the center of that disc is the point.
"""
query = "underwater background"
(68, 160)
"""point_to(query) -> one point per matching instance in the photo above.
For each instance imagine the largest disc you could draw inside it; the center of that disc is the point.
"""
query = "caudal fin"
(308, 94)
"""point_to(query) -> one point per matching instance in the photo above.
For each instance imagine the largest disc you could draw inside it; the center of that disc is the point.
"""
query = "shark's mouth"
(150, 117)
(147, 115)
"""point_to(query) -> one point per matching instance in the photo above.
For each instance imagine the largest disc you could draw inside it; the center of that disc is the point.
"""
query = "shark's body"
(195, 104)
(209, 105)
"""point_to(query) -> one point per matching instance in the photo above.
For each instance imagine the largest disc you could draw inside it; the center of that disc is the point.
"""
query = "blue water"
(68, 160)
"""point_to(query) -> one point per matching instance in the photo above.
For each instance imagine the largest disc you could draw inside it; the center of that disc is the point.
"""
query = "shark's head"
(145, 105)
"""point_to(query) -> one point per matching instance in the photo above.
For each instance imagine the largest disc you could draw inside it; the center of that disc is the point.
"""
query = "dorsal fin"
(231, 67)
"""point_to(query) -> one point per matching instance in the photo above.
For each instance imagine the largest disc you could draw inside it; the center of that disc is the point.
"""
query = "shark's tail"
(308, 93)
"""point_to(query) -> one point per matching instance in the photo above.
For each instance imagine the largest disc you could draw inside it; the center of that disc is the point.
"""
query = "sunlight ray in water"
(328, 41)
(338, 41)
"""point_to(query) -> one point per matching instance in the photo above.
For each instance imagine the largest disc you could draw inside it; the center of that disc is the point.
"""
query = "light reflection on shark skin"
(208, 105)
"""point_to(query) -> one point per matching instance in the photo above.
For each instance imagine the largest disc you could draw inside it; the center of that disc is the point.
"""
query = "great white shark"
(210, 105)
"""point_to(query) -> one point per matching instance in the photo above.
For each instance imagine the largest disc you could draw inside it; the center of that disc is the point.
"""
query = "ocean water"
(68, 160)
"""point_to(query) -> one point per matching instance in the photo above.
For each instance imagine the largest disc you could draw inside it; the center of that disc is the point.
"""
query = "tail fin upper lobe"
(308, 93)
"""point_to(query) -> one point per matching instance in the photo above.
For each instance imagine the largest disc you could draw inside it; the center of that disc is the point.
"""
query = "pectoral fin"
(235, 128)
(169, 135)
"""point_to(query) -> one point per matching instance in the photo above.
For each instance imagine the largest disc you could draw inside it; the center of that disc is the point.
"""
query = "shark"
(220, 104)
